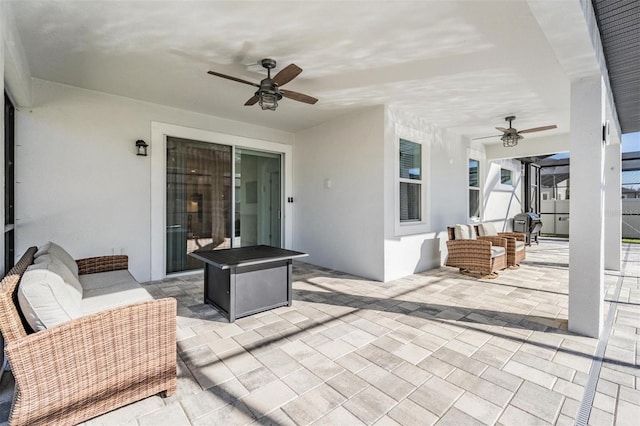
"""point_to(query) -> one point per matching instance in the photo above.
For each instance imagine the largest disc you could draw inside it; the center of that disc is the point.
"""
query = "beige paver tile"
(627, 412)
(455, 417)
(412, 374)
(268, 397)
(570, 408)
(502, 378)
(545, 365)
(169, 414)
(369, 405)
(539, 401)
(409, 413)
(128, 412)
(436, 367)
(386, 421)
(412, 353)
(235, 414)
(492, 355)
(606, 403)
(335, 349)
(347, 383)
(598, 417)
(212, 399)
(257, 378)
(478, 408)
(480, 387)
(569, 389)
(301, 380)
(515, 416)
(339, 416)
(353, 362)
(314, 404)
(460, 361)
(322, 366)
(436, 395)
(529, 373)
(358, 338)
(380, 357)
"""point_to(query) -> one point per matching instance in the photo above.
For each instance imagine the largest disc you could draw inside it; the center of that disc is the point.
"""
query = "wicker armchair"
(476, 257)
(88, 366)
(516, 247)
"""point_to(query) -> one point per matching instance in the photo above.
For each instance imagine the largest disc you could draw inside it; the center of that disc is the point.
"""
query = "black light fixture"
(141, 147)
(510, 139)
(269, 99)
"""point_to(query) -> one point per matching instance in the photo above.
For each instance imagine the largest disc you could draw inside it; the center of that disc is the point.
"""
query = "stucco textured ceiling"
(461, 65)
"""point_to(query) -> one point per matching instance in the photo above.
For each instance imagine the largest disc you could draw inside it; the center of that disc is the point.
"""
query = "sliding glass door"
(200, 203)
(198, 200)
(258, 200)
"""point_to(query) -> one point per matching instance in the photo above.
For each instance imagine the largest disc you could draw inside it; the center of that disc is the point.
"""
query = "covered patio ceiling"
(460, 65)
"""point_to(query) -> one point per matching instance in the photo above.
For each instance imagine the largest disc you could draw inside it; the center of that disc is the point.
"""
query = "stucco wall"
(418, 247)
(338, 193)
(501, 202)
(79, 181)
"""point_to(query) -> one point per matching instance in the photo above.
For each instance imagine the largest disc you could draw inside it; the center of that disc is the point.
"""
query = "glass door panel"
(198, 201)
(258, 198)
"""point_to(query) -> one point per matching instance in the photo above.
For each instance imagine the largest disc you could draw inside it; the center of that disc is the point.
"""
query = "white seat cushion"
(497, 251)
(464, 232)
(519, 245)
(55, 250)
(107, 290)
(45, 298)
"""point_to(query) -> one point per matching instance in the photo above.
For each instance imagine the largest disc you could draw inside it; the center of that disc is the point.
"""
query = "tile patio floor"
(432, 348)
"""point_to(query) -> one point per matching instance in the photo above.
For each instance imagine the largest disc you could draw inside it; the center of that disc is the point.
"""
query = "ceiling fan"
(511, 136)
(269, 91)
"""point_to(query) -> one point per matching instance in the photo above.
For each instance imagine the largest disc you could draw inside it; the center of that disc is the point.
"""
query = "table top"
(245, 256)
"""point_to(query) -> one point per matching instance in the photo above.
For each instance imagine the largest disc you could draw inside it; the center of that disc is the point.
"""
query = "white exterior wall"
(79, 182)
(414, 248)
(501, 202)
(338, 194)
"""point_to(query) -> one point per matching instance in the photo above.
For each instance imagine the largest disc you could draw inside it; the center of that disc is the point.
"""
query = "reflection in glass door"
(258, 198)
(198, 201)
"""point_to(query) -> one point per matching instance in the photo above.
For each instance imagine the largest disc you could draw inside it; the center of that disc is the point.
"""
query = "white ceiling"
(462, 65)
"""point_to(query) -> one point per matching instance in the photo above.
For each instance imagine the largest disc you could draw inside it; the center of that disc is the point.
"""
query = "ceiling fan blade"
(252, 100)
(228, 77)
(286, 74)
(538, 129)
(486, 137)
(502, 129)
(300, 97)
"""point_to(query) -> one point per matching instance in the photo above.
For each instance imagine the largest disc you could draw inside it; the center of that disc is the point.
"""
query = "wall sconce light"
(141, 147)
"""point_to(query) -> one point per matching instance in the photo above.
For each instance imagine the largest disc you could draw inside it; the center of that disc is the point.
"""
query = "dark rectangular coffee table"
(247, 280)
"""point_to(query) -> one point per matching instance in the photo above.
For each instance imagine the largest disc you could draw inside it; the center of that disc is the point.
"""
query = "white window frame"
(423, 225)
(474, 188)
(507, 185)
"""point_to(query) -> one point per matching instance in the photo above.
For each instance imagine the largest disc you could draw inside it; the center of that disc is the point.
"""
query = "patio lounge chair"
(516, 248)
(481, 258)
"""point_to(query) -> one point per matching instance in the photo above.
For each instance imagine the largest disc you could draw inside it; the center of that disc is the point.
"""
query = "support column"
(612, 207)
(586, 226)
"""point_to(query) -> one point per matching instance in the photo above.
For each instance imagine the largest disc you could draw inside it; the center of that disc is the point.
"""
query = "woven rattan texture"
(93, 265)
(475, 255)
(12, 325)
(91, 365)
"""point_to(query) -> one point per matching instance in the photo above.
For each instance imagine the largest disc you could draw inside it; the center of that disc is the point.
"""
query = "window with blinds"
(474, 189)
(410, 181)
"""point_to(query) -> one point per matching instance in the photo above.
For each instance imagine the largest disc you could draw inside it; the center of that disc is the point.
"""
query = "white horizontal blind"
(410, 181)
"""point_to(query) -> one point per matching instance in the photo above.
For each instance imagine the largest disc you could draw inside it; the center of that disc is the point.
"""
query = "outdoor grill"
(529, 224)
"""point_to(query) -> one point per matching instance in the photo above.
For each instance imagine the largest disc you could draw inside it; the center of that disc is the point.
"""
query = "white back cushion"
(487, 229)
(55, 250)
(45, 298)
(464, 232)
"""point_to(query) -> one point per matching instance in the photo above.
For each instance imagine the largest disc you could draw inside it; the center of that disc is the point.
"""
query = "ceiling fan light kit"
(269, 93)
(511, 136)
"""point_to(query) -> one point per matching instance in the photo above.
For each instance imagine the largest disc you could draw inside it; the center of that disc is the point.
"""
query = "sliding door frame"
(158, 154)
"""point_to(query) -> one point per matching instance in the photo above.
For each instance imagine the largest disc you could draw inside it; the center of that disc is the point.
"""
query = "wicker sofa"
(81, 368)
